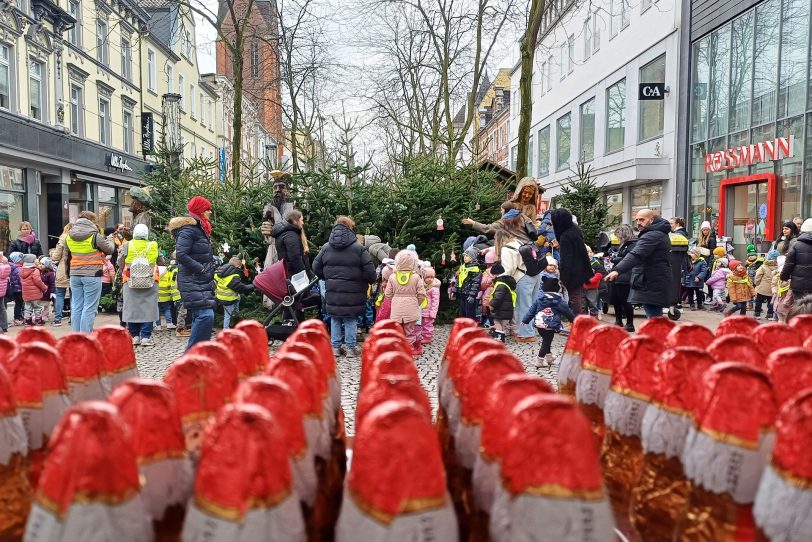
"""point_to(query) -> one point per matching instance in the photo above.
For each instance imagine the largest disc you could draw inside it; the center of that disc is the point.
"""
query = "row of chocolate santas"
(703, 437)
(213, 452)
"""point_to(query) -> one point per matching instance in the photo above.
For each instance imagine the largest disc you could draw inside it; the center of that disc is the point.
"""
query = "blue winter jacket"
(195, 263)
(14, 278)
(698, 270)
(552, 307)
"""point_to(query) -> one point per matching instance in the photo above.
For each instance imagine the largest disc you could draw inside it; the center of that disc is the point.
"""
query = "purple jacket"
(49, 278)
(719, 278)
(5, 273)
(16, 281)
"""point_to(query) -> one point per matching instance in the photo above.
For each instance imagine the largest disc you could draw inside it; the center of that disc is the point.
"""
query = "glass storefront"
(752, 85)
(12, 208)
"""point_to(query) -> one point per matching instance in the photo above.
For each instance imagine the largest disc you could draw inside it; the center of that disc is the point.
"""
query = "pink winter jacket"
(486, 287)
(406, 298)
(33, 287)
(5, 273)
(433, 296)
(719, 279)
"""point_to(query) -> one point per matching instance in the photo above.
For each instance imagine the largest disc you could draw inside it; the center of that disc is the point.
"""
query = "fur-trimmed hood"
(180, 221)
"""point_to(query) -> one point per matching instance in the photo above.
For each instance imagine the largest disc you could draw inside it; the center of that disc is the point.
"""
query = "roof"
(504, 174)
(484, 85)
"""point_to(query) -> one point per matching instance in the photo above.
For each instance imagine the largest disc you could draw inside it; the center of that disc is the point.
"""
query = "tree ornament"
(442, 262)
(440, 226)
(453, 256)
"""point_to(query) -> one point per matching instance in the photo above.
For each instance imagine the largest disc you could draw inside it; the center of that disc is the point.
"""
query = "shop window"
(563, 130)
(757, 135)
(104, 121)
(77, 110)
(36, 98)
(544, 151)
(587, 139)
(616, 116)
(152, 73)
(699, 92)
(741, 74)
(11, 214)
(75, 33)
(648, 196)
(652, 112)
(108, 204)
(790, 169)
(737, 140)
(102, 40)
(719, 87)
(698, 211)
(6, 67)
(715, 179)
(614, 214)
(765, 74)
(792, 82)
(125, 216)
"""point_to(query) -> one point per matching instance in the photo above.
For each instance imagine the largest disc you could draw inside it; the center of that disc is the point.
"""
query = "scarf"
(28, 239)
(196, 207)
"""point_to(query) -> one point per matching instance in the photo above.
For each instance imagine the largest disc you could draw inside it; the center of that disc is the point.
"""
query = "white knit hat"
(806, 227)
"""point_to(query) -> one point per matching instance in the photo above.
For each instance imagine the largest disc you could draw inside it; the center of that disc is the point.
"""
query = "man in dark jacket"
(288, 239)
(798, 265)
(648, 262)
(347, 270)
(574, 265)
(195, 267)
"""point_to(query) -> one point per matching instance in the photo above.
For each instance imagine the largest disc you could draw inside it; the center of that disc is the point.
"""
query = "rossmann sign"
(747, 155)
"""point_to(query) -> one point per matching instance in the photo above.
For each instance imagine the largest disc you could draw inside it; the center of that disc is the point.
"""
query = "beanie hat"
(773, 255)
(751, 248)
(411, 248)
(141, 231)
(719, 252)
(806, 227)
(704, 225)
(469, 242)
(751, 253)
(15, 257)
(490, 257)
(46, 262)
(550, 284)
(551, 261)
(695, 251)
(29, 260)
(497, 269)
(198, 205)
(472, 253)
(723, 262)
(511, 214)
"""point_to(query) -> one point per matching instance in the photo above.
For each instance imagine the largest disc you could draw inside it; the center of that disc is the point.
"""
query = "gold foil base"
(659, 498)
(595, 415)
(567, 389)
(15, 498)
(715, 517)
(621, 460)
(169, 527)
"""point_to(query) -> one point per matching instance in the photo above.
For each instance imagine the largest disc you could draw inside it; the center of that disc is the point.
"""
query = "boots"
(500, 336)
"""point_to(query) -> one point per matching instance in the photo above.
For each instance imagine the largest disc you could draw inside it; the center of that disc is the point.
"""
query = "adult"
(192, 234)
(87, 248)
(291, 244)
(60, 256)
(574, 265)
(512, 220)
(620, 287)
(275, 212)
(789, 236)
(706, 237)
(678, 226)
(526, 197)
(140, 205)
(507, 247)
(140, 307)
(648, 262)
(26, 241)
(347, 270)
(798, 265)
(798, 221)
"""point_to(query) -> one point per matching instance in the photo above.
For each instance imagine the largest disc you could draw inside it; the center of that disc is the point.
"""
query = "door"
(748, 211)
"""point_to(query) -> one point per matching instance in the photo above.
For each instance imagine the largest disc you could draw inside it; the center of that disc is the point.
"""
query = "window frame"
(152, 70)
(75, 33)
(588, 37)
(128, 129)
(646, 103)
(560, 166)
(40, 83)
(170, 78)
(126, 58)
(77, 109)
(104, 121)
(608, 149)
(582, 126)
(543, 134)
(254, 59)
(570, 53)
(8, 64)
(102, 42)
(181, 91)
(192, 101)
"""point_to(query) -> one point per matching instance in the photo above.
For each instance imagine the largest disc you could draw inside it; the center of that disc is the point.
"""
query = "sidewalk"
(101, 320)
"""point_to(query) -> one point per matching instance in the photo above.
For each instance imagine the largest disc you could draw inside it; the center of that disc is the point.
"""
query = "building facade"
(490, 135)
(747, 155)
(605, 87)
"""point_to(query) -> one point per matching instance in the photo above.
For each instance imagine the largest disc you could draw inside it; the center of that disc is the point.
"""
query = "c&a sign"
(747, 155)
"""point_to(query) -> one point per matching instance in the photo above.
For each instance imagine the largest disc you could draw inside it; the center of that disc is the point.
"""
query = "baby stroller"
(290, 296)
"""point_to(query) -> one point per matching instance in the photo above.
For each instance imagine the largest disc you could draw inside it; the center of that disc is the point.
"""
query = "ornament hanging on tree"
(476, 207)
(442, 262)
(440, 226)
(244, 268)
(453, 256)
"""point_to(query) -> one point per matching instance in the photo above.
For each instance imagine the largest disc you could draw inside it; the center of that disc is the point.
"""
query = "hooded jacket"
(289, 247)
(235, 283)
(718, 279)
(648, 262)
(574, 265)
(625, 248)
(501, 302)
(798, 265)
(33, 287)
(5, 276)
(405, 288)
(697, 274)
(764, 278)
(552, 307)
(82, 230)
(18, 245)
(347, 270)
(195, 263)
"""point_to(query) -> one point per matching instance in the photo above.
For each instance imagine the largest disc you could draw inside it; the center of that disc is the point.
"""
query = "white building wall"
(649, 34)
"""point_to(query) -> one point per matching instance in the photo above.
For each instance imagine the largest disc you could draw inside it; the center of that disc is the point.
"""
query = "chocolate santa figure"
(7, 347)
(35, 334)
(83, 359)
(259, 340)
(90, 487)
(150, 412)
(570, 364)
(689, 334)
(790, 371)
(546, 495)
(771, 336)
(735, 347)
(379, 343)
(783, 505)
(658, 328)
(250, 500)
(396, 489)
(736, 325)
(390, 388)
(239, 344)
(726, 451)
(119, 355)
(15, 490)
(223, 360)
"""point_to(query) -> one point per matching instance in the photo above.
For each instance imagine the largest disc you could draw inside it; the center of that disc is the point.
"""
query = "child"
(229, 286)
(383, 305)
(407, 292)
(593, 285)
(33, 290)
(5, 273)
(502, 301)
(547, 311)
(781, 304)
(764, 284)
(468, 281)
(739, 288)
(752, 265)
(16, 286)
(108, 275)
(694, 279)
(430, 312)
(717, 283)
(46, 269)
(168, 294)
(486, 287)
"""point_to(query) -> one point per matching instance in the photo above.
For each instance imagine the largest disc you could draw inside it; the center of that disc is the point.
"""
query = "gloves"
(470, 299)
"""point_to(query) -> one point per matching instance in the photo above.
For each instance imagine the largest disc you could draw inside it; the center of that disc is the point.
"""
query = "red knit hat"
(83, 360)
(774, 335)
(223, 360)
(35, 334)
(689, 334)
(657, 327)
(119, 354)
(240, 346)
(390, 388)
(737, 325)
(738, 348)
(198, 205)
(790, 371)
(259, 339)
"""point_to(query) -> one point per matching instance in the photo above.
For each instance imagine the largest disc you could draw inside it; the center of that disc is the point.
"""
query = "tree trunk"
(528, 51)
(236, 127)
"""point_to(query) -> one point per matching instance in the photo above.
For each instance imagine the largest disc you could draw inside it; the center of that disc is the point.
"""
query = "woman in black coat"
(574, 265)
(798, 266)
(619, 290)
(289, 244)
(26, 242)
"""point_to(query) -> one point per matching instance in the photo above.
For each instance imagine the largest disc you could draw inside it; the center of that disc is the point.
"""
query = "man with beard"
(139, 208)
(275, 211)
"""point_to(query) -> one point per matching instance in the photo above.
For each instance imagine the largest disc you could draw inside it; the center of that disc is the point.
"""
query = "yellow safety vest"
(83, 253)
(140, 247)
(223, 292)
(509, 289)
(464, 270)
(403, 277)
(168, 286)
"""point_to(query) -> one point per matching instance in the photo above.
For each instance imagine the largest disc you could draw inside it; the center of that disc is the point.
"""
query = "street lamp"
(172, 135)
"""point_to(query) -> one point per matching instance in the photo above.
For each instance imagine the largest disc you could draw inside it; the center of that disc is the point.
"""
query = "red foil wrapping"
(243, 464)
(659, 497)
(7, 348)
(36, 372)
(259, 340)
(397, 468)
(689, 334)
(803, 323)
(392, 363)
(634, 373)
(83, 359)
(91, 460)
(678, 377)
(453, 337)
(375, 347)
(309, 352)
(223, 361)
(35, 334)
(658, 328)
(793, 432)
(387, 324)
(737, 325)
(15, 490)
(301, 375)
(458, 365)
(390, 388)
(790, 371)
(737, 348)
(485, 369)
(117, 345)
(571, 360)
(238, 342)
(771, 336)
(318, 338)
(551, 451)
(578, 334)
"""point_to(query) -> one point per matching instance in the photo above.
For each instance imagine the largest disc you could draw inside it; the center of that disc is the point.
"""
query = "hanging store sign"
(747, 155)
(651, 91)
(118, 162)
(147, 130)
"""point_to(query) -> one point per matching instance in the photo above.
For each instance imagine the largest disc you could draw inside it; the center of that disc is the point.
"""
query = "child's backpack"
(534, 261)
(142, 275)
